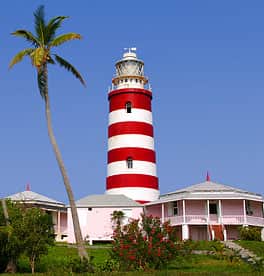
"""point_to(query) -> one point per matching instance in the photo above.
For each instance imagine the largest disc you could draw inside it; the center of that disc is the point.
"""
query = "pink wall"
(63, 218)
(232, 207)
(96, 224)
(195, 207)
(232, 232)
(154, 210)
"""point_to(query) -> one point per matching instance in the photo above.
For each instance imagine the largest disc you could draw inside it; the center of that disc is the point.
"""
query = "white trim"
(137, 115)
(162, 213)
(139, 167)
(131, 140)
(144, 194)
(220, 211)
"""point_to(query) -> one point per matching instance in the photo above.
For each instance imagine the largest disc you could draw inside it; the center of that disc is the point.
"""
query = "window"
(129, 163)
(248, 208)
(175, 208)
(128, 107)
(213, 208)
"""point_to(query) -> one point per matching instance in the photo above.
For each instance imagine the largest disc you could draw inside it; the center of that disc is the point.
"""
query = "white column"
(185, 231)
(59, 225)
(225, 235)
(183, 211)
(262, 234)
(208, 212)
(220, 211)
(162, 212)
(245, 212)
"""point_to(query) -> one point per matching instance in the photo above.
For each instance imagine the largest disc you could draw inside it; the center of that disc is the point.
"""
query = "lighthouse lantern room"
(131, 168)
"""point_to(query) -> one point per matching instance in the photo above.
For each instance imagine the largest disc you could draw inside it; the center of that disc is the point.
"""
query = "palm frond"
(64, 63)
(50, 60)
(52, 27)
(42, 81)
(64, 38)
(19, 56)
(40, 23)
(28, 36)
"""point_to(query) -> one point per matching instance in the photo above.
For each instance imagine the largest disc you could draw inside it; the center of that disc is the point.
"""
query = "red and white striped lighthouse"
(131, 168)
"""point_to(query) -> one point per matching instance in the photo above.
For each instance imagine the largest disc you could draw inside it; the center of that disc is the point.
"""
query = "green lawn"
(256, 247)
(57, 263)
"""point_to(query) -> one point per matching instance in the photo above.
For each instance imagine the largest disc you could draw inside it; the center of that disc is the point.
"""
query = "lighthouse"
(131, 162)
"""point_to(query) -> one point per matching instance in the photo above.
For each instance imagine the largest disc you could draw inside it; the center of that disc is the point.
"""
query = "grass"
(209, 264)
(57, 263)
(256, 247)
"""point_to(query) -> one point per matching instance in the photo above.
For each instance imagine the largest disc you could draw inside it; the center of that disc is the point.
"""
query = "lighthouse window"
(128, 107)
(129, 163)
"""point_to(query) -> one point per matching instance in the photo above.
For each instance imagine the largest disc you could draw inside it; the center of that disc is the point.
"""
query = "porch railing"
(203, 219)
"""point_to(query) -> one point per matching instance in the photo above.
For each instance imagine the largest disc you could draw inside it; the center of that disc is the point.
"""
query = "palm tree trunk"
(5, 211)
(76, 225)
(11, 265)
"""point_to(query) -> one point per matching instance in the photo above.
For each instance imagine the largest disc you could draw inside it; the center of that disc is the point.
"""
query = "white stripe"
(144, 194)
(130, 140)
(137, 115)
(139, 167)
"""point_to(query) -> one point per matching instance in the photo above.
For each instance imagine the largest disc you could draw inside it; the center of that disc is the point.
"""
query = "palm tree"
(42, 42)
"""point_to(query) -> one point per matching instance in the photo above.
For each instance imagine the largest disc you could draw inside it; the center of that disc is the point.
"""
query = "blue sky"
(205, 62)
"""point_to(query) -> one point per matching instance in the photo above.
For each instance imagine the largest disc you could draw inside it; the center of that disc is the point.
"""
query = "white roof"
(32, 197)
(208, 190)
(106, 200)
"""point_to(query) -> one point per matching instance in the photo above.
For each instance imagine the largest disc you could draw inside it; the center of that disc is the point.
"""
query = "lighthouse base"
(141, 195)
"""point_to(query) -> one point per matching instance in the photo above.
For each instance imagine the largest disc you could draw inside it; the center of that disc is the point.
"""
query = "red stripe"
(132, 180)
(136, 153)
(138, 100)
(130, 90)
(130, 128)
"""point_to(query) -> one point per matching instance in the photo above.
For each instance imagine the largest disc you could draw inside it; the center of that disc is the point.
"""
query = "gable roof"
(32, 197)
(107, 200)
(208, 190)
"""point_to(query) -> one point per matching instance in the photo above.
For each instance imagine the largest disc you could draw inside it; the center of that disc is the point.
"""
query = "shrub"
(250, 233)
(144, 244)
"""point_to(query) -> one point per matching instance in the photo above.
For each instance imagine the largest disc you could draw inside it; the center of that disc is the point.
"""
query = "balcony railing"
(203, 219)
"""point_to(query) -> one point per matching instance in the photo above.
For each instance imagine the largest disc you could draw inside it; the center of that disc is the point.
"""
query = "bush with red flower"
(144, 244)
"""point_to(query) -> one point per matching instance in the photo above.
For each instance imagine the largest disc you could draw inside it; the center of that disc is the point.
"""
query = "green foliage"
(29, 232)
(250, 233)
(38, 234)
(42, 42)
(11, 241)
(144, 244)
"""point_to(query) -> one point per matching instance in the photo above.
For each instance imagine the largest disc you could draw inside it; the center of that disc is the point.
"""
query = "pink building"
(209, 210)
(56, 209)
(95, 212)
